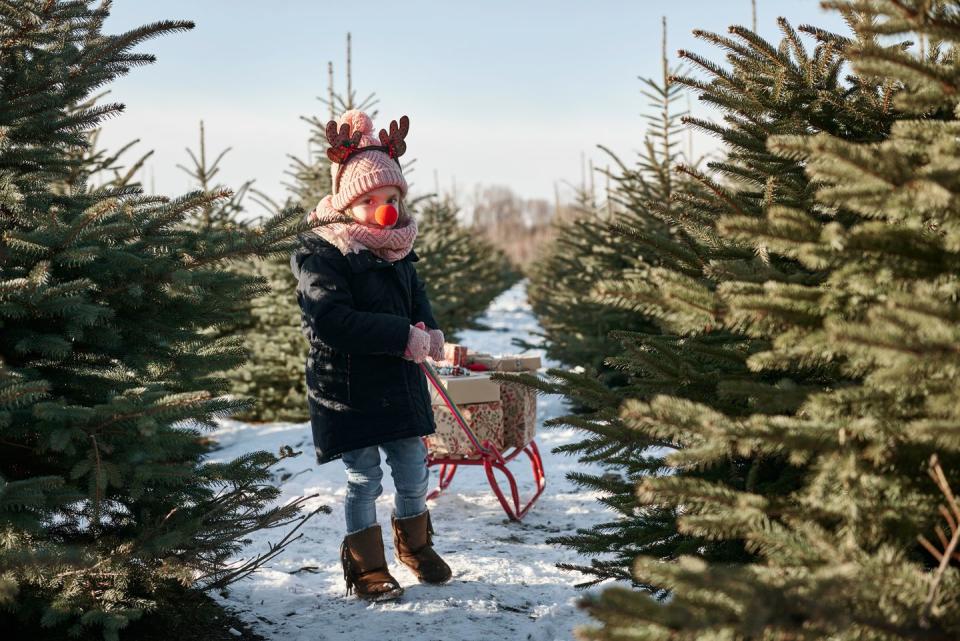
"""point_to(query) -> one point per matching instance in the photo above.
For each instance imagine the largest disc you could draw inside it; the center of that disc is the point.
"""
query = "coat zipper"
(348, 376)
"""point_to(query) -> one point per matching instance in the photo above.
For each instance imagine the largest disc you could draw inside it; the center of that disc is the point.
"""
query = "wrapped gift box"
(454, 353)
(474, 388)
(504, 363)
(480, 358)
(517, 363)
(484, 419)
(519, 403)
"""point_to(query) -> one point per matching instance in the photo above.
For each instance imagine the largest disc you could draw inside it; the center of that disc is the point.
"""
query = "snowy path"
(505, 584)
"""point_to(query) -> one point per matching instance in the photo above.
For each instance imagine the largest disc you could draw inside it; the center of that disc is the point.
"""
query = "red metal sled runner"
(486, 454)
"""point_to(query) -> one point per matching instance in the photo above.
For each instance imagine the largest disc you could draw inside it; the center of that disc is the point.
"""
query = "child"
(366, 316)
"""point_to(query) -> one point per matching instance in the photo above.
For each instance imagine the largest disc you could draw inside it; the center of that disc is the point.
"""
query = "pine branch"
(951, 514)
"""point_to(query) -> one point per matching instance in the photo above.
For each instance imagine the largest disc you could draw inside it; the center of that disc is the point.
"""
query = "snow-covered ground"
(505, 583)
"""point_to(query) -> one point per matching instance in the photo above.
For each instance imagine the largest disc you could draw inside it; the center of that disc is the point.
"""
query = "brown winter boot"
(412, 543)
(365, 567)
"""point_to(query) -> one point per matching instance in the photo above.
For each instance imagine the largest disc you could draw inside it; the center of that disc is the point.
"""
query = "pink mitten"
(418, 345)
(436, 341)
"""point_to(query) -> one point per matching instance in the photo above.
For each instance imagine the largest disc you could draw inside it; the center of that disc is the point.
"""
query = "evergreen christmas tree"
(219, 216)
(106, 368)
(651, 233)
(860, 302)
(682, 261)
(584, 248)
(268, 325)
(265, 326)
(463, 276)
(311, 176)
(604, 241)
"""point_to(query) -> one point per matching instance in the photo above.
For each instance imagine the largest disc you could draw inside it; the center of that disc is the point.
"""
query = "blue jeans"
(407, 458)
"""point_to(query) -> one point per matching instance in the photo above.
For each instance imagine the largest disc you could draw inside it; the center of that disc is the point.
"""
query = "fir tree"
(583, 249)
(651, 233)
(311, 176)
(107, 374)
(683, 261)
(219, 216)
(863, 292)
(601, 242)
(266, 325)
(463, 273)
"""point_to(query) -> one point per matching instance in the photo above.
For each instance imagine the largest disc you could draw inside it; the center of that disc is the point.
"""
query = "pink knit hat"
(366, 169)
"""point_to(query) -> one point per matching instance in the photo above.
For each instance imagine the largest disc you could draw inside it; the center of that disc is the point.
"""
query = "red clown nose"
(386, 215)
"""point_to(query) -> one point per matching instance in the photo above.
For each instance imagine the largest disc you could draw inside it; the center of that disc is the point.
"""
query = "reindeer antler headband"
(343, 145)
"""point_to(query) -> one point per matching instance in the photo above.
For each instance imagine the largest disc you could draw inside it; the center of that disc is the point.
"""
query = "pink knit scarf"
(390, 244)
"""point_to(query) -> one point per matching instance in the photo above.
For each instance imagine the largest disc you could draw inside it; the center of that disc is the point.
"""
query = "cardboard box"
(475, 388)
(484, 419)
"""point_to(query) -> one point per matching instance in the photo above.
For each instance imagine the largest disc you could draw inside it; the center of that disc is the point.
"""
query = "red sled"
(487, 454)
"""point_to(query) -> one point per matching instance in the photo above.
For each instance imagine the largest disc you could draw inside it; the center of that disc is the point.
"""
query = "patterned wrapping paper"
(519, 414)
(445, 369)
(485, 419)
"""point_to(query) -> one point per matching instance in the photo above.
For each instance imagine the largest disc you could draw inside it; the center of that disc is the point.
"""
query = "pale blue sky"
(499, 92)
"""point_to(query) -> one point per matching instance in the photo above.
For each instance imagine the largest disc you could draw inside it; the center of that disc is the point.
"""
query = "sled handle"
(434, 378)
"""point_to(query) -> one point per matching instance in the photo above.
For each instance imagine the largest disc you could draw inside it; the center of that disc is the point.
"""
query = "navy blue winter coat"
(356, 312)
